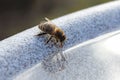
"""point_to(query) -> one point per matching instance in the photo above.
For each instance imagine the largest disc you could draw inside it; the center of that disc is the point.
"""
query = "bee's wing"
(47, 19)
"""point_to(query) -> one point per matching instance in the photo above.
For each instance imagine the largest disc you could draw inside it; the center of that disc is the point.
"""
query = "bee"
(50, 28)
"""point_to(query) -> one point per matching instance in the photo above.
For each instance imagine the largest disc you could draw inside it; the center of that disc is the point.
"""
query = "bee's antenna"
(47, 19)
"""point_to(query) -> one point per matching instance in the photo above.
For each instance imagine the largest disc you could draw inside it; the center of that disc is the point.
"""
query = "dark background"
(18, 15)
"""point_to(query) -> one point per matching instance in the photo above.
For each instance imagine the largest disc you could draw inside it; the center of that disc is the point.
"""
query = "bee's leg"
(61, 44)
(56, 41)
(41, 34)
(49, 39)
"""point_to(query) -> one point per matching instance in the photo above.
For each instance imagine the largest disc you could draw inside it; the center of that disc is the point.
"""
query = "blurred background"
(18, 15)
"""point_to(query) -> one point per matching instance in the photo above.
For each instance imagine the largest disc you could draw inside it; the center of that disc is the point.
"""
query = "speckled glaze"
(23, 50)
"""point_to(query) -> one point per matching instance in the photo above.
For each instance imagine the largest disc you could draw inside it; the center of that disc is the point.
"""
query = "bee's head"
(60, 35)
(62, 38)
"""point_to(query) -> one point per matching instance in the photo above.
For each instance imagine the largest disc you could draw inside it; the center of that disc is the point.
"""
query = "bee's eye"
(62, 38)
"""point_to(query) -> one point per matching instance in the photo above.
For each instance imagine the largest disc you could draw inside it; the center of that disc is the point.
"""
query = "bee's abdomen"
(47, 27)
(41, 26)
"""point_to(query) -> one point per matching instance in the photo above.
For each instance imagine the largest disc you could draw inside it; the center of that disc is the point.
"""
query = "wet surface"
(24, 50)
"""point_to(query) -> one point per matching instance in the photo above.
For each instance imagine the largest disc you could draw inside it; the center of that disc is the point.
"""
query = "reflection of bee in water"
(50, 28)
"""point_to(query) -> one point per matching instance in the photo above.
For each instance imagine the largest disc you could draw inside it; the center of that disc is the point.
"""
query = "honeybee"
(54, 31)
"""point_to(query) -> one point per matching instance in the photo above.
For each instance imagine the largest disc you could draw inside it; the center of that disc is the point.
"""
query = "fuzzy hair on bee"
(50, 28)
